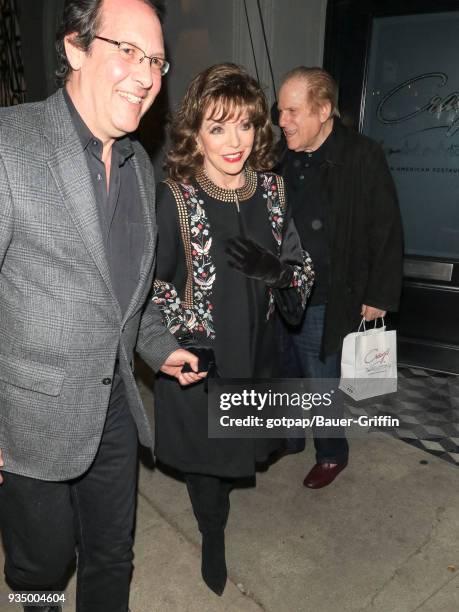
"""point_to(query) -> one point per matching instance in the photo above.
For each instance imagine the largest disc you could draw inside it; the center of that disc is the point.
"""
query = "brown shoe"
(322, 474)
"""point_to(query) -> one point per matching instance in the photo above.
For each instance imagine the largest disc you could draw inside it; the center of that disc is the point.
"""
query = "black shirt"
(303, 173)
(120, 209)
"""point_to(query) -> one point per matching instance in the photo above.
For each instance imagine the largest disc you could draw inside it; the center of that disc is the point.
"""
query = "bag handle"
(363, 321)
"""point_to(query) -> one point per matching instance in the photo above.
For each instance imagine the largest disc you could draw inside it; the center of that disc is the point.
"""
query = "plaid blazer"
(60, 323)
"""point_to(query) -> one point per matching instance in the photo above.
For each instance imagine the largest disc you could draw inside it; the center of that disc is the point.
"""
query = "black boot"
(213, 564)
(210, 500)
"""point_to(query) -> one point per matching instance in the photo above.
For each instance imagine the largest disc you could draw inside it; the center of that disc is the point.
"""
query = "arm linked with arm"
(164, 316)
(155, 342)
(170, 266)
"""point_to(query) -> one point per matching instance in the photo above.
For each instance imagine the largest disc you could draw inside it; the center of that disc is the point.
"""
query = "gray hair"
(321, 86)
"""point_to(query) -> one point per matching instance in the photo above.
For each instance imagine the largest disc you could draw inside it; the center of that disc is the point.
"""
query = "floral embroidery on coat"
(181, 319)
(203, 268)
(178, 318)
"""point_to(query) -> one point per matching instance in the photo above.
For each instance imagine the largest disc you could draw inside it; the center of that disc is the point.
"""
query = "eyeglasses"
(133, 55)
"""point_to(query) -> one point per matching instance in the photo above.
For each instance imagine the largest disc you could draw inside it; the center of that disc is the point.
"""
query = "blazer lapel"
(70, 171)
(147, 196)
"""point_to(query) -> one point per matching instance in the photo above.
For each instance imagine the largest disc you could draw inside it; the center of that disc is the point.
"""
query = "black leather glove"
(257, 262)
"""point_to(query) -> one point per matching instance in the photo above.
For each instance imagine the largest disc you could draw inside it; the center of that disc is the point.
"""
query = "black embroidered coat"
(199, 293)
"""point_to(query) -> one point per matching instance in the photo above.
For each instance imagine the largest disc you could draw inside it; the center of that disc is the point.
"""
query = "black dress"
(199, 293)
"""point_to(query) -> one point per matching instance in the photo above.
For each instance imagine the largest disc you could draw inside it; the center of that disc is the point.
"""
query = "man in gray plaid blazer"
(77, 241)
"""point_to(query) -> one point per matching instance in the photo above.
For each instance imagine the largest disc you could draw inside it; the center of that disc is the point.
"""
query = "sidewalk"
(379, 539)
(382, 538)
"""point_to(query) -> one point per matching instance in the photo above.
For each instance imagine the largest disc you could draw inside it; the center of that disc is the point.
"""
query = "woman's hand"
(257, 262)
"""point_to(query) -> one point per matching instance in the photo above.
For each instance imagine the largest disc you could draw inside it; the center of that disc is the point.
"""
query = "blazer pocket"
(31, 375)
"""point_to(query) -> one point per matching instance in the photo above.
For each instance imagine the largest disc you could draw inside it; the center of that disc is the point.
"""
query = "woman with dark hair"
(227, 255)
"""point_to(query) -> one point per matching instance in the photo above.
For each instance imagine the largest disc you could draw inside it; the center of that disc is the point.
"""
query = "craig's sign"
(444, 108)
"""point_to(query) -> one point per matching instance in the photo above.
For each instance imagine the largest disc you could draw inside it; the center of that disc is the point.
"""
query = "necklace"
(229, 195)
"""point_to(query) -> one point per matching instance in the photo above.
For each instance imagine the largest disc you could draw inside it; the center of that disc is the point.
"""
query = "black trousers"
(209, 497)
(44, 523)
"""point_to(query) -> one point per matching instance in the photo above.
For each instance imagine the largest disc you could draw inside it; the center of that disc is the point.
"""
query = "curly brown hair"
(227, 89)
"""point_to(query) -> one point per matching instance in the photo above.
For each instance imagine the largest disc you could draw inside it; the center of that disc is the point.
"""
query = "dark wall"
(38, 21)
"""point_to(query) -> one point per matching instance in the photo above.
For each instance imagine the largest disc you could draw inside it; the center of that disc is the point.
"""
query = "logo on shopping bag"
(376, 359)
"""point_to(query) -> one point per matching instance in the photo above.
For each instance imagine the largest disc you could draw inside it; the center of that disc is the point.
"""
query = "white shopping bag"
(369, 362)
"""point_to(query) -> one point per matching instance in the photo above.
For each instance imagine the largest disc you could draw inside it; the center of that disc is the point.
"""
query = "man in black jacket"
(344, 204)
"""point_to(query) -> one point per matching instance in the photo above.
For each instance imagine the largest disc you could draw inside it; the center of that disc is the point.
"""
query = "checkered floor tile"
(427, 405)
